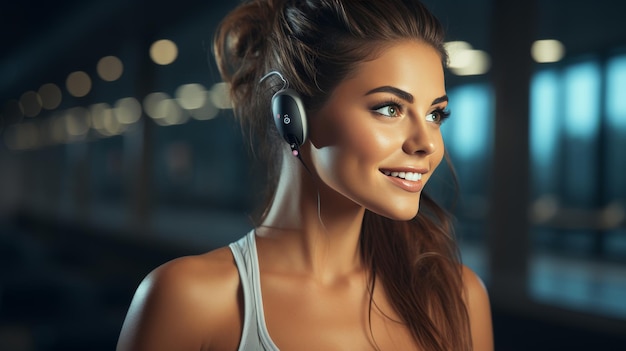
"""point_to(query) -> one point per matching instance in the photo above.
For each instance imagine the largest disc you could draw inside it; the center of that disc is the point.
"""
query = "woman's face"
(377, 139)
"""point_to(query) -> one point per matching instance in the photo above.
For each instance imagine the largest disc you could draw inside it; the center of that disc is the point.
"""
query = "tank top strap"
(254, 336)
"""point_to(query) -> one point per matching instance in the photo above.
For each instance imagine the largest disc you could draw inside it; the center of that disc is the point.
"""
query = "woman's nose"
(422, 139)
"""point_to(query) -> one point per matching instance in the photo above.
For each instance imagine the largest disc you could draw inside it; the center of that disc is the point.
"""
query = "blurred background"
(118, 152)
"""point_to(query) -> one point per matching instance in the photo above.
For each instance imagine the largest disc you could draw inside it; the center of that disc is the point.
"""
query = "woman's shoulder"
(202, 280)
(472, 282)
(213, 269)
(187, 303)
(479, 310)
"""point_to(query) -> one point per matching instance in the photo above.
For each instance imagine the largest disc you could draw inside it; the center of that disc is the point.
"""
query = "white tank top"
(254, 336)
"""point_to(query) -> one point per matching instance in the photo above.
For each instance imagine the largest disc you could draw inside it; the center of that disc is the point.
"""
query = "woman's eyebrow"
(439, 100)
(403, 94)
(393, 90)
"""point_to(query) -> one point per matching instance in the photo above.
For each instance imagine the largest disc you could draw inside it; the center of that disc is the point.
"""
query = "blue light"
(616, 93)
(544, 118)
(467, 132)
(582, 100)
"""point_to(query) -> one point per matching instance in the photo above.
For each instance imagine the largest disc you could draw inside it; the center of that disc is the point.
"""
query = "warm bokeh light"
(455, 50)
(207, 111)
(164, 110)
(110, 68)
(77, 121)
(220, 95)
(549, 50)
(98, 114)
(127, 110)
(163, 52)
(78, 84)
(50, 95)
(30, 103)
(474, 62)
(464, 60)
(191, 96)
(171, 113)
(612, 215)
(544, 209)
(151, 104)
(112, 126)
(104, 120)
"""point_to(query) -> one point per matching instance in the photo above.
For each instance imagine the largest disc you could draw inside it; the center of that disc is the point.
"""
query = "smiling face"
(377, 139)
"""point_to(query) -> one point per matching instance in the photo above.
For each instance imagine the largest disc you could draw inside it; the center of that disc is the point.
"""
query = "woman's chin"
(398, 214)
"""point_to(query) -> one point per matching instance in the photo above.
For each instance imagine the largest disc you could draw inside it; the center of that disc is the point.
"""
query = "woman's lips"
(408, 181)
(414, 176)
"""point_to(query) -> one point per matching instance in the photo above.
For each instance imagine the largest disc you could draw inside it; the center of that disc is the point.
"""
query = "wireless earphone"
(288, 114)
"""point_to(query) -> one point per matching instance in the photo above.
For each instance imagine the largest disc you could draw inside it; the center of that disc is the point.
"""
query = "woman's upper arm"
(174, 308)
(479, 311)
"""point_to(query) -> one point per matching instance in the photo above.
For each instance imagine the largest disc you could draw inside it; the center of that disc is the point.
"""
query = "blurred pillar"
(138, 158)
(602, 159)
(78, 154)
(508, 238)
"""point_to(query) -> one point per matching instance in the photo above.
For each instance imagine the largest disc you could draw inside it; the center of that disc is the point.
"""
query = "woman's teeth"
(405, 175)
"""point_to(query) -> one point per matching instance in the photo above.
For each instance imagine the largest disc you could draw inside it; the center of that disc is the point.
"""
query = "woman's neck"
(315, 229)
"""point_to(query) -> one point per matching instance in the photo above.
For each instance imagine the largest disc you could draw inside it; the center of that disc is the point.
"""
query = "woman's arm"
(479, 311)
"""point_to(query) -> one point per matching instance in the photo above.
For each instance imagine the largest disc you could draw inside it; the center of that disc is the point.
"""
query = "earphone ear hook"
(288, 114)
(285, 82)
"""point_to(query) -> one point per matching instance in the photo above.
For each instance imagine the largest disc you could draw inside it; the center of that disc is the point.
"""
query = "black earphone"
(288, 114)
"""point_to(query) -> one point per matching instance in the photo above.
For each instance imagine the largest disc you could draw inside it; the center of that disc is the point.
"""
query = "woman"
(342, 256)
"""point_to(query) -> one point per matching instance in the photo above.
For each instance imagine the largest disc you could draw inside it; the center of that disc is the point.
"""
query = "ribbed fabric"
(254, 336)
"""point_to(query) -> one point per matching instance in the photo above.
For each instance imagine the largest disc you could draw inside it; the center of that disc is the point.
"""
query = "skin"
(314, 285)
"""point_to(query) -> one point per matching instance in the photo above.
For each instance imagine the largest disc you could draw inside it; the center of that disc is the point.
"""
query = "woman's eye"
(433, 117)
(437, 116)
(388, 110)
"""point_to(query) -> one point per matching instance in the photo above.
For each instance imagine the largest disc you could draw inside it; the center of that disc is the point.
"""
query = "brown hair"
(315, 45)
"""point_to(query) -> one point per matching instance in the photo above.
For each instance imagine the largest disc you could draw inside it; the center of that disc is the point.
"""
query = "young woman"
(341, 258)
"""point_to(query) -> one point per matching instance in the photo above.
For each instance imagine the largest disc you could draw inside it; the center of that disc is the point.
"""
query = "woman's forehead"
(412, 66)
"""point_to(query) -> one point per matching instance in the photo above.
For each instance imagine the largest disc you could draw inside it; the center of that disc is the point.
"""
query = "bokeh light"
(207, 111)
(110, 68)
(77, 121)
(163, 52)
(464, 60)
(151, 104)
(220, 95)
(549, 50)
(78, 84)
(30, 103)
(50, 95)
(191, 96)
(127, 110)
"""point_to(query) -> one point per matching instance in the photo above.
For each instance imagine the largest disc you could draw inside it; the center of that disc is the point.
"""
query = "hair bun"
(241, 38)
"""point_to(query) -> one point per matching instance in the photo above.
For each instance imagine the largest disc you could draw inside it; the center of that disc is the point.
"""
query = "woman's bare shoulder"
(479, 309)
(192, 277)
(186, 303)
(218, 265)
